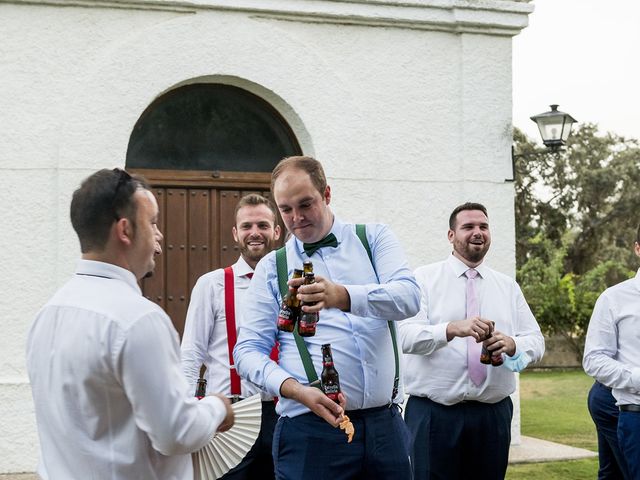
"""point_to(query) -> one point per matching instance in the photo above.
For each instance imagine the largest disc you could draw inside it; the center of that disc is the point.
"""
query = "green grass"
(554, 407)
(571, 470)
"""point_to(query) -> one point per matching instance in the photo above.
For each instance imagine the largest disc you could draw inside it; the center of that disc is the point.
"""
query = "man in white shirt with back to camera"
(612, 357)
(459, 411)
(213, 320)
(104, 362)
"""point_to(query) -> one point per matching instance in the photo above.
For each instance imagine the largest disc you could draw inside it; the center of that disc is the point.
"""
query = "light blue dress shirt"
(360, 340)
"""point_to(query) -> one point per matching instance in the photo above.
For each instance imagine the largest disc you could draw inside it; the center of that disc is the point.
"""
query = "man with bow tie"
(459, 411)
(359, 298)
(213, 319)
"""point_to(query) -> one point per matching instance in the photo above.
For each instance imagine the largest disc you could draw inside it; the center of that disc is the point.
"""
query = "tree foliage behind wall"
(577, 213)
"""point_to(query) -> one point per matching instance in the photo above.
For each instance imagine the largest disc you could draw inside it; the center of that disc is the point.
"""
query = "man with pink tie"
(459, 410)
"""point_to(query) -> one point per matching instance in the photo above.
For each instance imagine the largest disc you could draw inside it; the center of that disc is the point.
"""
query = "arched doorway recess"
(202, 147)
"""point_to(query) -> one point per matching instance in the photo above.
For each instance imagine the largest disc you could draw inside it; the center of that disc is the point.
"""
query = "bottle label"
(306, 329)
(331, 391)
(286, 320)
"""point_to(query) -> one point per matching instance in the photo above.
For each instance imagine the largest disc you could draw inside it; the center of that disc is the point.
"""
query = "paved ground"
(530, 450)
(533, 450)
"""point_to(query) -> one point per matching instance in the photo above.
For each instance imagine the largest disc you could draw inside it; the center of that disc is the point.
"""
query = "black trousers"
(258, 463)
(469, 440)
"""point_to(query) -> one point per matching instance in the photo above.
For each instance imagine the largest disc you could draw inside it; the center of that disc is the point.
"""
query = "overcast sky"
(583, 55)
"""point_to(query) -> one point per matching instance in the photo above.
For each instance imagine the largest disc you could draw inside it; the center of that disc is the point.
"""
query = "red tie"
(250, 275)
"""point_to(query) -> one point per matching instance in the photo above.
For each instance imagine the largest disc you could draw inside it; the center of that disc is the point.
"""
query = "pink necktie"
(477, 371)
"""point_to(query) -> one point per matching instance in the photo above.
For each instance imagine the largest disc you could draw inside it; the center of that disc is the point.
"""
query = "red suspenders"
(230, 314)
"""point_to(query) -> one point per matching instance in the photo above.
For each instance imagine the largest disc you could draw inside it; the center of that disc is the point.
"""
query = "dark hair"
(638, 234)
(253, 200)
(307, 164)
(103, 198)
(465, 206)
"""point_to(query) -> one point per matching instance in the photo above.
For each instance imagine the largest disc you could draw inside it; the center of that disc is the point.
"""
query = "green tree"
(575, 225)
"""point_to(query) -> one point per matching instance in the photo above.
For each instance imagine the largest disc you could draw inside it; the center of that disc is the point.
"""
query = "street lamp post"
(555, 128)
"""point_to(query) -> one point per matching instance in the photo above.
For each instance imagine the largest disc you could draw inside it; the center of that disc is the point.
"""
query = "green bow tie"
(328, 241)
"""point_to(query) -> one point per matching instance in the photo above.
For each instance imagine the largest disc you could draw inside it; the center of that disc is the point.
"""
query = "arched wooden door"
(202, 147)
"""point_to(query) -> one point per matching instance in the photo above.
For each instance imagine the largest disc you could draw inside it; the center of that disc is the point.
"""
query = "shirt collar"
(459, 267)
(107, 270)
(241, 268)
(336, 229)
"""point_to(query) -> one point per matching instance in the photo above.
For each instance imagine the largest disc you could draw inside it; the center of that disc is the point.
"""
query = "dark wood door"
(196, 219)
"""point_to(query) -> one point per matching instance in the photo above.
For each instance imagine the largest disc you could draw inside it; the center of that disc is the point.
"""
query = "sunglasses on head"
(123, 179)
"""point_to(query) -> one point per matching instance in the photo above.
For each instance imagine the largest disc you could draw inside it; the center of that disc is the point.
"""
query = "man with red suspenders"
(213, 320)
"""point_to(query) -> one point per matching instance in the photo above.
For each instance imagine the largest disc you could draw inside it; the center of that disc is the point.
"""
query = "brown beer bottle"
(307, 267)
(496, 360)
(485, 354)
(329, 378)
(290, 308)
(201, 388)
(308, 320)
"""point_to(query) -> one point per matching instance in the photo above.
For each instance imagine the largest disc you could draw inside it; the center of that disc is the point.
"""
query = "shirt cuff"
(440, 334)
(635, 378)
(275, 380)
(358, 299)
(219, 411)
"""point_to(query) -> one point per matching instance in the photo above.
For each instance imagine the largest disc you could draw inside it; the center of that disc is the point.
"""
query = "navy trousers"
(629, 441)
(603, 410)
(258, 463)
(308, 448)
(469, 440)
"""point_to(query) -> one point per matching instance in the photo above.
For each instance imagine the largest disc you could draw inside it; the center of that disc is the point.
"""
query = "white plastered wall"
(410, 118)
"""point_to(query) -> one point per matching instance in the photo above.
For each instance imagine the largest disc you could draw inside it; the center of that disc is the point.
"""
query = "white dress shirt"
(612, 347)
(205, 331)
(360, 339)
(437, 369)
(110, 398)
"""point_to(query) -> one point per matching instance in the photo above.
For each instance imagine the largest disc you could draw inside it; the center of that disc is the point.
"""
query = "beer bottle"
(308, 320)
(290, 308)
(496, 360)
(307, 267)
(329, 379)
(485, 354)
(201, 388)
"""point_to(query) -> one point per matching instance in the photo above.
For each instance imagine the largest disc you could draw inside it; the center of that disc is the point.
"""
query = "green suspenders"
(283, 274)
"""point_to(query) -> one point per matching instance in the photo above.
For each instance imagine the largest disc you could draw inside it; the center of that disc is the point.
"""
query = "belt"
(365, 411)
(630, 408)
